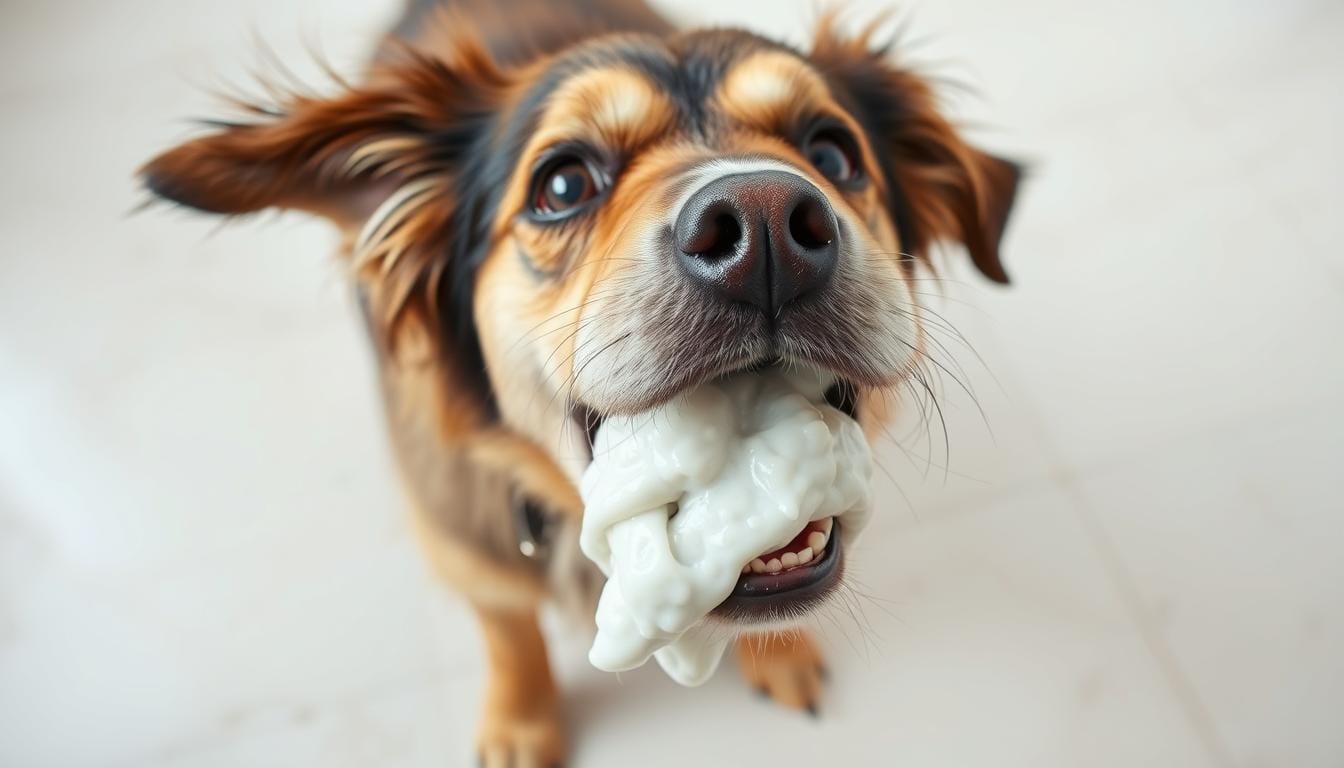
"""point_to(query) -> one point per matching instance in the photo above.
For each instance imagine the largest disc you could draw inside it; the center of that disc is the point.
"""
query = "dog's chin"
(781, 586)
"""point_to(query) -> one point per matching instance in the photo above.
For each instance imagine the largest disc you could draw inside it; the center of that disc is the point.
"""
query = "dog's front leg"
(784, 665)
(521, 722)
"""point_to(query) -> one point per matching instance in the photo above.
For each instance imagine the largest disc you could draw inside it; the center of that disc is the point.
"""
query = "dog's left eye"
(563, 186)
(828, 155)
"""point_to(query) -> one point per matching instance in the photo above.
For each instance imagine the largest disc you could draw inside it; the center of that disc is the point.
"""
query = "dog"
(555, 212)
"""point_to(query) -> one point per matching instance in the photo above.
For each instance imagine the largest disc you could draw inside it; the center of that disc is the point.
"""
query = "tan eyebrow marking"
(610, 107)
(768, 88)
(774, 91)
(617, 107)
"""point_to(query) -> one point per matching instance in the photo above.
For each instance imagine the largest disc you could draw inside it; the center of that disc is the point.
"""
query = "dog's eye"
(832, 155)
(563, 186)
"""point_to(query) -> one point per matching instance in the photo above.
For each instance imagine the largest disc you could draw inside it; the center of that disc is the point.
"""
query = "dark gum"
(763, 596)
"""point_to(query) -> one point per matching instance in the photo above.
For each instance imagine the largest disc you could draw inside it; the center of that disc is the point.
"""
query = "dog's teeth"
(805, 556)
(820, 554)
(757, 565)
(816, 540)
(827, 524)
(788, 560)
(746, 568)
(773, 566)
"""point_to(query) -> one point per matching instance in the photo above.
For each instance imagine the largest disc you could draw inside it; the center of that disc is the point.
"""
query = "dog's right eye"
(563, 186)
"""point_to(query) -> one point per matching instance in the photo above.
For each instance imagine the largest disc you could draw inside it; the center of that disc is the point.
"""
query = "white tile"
(135, 657)
(1234, 539)
(1171, 313)
(413, 723)
(1279, 117)
(1317, 228)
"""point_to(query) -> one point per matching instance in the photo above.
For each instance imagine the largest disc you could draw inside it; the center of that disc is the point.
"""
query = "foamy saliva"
(684, 499)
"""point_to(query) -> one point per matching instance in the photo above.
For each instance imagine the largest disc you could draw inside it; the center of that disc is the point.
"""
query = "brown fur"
(955, 192)
(477, 392)
(523, 723)
(786, 666)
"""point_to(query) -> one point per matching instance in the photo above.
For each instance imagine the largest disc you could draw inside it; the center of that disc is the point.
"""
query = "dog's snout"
(765, 238)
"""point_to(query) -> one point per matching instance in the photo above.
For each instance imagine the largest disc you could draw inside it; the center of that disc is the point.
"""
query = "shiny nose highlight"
(764, 238)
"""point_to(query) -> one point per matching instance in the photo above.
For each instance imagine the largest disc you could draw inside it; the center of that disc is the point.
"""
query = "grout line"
(1187, 695)
(1122, 580)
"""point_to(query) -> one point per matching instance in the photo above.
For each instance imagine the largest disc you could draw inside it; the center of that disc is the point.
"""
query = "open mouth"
(790, 579)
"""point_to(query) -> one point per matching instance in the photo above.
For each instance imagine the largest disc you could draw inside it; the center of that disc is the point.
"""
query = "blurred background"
(1135, 558)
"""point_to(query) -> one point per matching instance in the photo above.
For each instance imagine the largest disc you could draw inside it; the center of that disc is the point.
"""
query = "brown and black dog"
(553, 212)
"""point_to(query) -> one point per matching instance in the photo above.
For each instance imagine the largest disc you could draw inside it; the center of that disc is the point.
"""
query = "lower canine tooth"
(827, 524)
(788, 560)
(758, 566)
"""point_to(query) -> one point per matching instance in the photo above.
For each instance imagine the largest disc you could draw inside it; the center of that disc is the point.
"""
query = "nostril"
(762, 238)
(726, 233)
(810, 226)
(711, 233)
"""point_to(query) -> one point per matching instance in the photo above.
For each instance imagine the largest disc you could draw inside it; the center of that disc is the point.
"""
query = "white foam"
(680, 497)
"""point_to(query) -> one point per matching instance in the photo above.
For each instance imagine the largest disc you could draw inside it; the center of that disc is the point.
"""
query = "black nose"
(765, 238)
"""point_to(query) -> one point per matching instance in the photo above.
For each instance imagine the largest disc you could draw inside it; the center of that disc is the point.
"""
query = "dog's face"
(604, 228)
(678, 213)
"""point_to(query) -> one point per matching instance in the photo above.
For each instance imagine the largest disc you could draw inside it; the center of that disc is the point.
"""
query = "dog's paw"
(784, 666)
(510, 740)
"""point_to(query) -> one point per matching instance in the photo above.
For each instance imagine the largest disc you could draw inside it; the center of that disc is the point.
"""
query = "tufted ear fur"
(390, 162)
(940, 187)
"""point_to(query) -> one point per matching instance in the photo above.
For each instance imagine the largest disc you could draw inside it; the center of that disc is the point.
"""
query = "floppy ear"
(940, 187)
(391, 159)
(386, 155)
(332, 156)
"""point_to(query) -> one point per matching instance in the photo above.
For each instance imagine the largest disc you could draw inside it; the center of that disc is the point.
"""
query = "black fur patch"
(863, 92)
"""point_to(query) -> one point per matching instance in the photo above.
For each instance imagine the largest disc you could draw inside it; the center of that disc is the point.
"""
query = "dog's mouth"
(791, 579)
(841, 395)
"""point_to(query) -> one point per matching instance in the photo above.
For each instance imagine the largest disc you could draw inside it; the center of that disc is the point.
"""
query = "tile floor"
(1136, 562)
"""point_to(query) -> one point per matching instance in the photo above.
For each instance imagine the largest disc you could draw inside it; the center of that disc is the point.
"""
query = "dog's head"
(597, 230)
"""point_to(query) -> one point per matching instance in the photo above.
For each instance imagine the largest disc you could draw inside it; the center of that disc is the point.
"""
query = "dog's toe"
(511, 741)
(785, 666)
